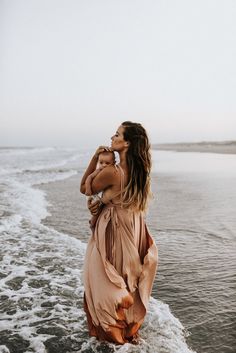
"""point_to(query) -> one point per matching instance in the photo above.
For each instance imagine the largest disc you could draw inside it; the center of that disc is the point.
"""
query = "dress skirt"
(119, 270)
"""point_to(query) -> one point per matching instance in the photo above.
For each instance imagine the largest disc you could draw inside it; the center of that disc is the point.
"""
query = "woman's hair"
(137, 191)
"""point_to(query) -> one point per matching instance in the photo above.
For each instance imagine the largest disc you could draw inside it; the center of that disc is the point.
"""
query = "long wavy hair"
(137, 192)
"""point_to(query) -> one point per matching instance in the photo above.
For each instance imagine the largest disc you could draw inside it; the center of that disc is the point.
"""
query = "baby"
(104, 159)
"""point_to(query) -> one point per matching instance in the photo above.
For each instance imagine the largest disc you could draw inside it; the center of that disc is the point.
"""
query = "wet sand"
(224, 147)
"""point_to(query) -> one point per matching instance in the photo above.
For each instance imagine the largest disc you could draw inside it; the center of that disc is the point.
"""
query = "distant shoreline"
(224, 147)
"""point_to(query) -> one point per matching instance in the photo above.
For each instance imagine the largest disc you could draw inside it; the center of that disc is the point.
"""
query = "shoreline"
(223, 147)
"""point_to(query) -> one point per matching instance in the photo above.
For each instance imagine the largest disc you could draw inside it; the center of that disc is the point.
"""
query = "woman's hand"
(94, 206)
(101, 149)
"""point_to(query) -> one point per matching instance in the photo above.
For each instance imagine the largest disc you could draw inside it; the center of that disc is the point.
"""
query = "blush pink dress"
(119, 270)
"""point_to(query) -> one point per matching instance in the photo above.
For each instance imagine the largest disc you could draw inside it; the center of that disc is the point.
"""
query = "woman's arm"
(92, 166)
(103, 180)
(88, 182)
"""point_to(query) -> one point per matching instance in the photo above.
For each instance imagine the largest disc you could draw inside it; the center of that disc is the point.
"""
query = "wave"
(17, 151)
(26, 203)
(37, 167)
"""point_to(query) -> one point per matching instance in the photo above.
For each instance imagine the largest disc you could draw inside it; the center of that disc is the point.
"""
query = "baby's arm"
(88, 182)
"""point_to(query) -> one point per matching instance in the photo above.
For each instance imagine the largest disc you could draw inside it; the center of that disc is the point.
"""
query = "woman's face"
(117, 141)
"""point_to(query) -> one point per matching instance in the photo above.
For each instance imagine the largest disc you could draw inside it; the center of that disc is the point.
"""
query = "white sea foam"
(51, 165)
(28, 203)
(9, 170)
(10, 223)
(47, 266)
(23, 202)
(26, 160)
(161, 332)
(25, 150)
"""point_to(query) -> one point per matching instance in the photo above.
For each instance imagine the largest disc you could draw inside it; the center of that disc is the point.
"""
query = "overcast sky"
(73, 70)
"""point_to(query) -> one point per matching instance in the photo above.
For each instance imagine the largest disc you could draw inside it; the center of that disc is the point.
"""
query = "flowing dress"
(119, 270)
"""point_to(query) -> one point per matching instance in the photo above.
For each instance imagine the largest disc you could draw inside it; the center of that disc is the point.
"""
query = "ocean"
(44, 230)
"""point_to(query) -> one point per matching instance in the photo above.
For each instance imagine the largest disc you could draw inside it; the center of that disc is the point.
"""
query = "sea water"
(41, 291)
(193, 215)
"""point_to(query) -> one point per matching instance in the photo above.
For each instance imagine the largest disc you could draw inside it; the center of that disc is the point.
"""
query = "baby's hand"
(93, 206)
(102, 149)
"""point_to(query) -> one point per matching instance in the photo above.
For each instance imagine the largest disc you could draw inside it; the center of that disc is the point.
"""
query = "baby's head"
(106, 158)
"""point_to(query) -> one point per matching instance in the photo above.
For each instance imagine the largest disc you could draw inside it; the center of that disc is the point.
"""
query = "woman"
(121, 258)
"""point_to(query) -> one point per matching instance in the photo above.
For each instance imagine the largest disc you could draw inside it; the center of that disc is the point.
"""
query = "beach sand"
(225, 147)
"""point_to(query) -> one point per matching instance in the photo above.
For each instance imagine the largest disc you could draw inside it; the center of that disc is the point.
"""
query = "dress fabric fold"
(118, 274)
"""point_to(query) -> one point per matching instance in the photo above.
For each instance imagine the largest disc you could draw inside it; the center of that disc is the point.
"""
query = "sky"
(71, 71)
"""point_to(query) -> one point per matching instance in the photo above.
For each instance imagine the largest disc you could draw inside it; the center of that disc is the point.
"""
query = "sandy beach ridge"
(225, 147)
